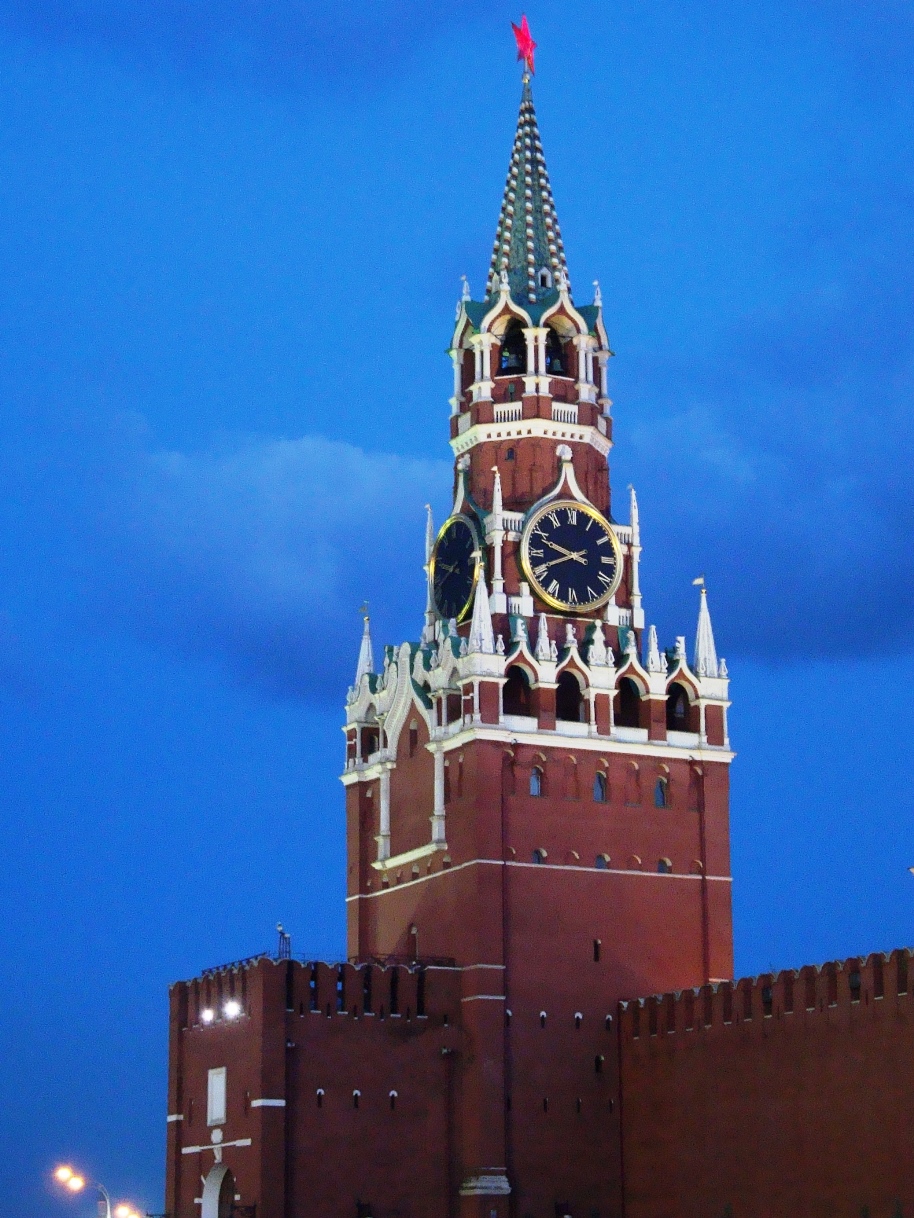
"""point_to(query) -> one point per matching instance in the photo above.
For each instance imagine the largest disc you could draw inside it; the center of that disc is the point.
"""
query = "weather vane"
(525, 44)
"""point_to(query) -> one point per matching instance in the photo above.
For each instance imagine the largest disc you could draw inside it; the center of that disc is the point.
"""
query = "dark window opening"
(539, 856)
(542, 1019)
(596, 951)
(578, 1106)
(312, 988)
(629, 713)
(366, 991)
(320, 1099)
(420, 992)
(536, 786)
(569, 702)
(601, 862)
(513, 350)
(516, 692)
(788, 994)
(355, 1099)
(767, 1000)
(854, 982)
(902, 974)
(509, 455)
(878, 988)
(677, 709)
(598, 1064)
(413, 739)
(340, 990)
(545, 1104)
(555, 355)
(393, 1101)
(664, 866)
(599, 789)
(577, 1021)
(661, 793)
(395, 992)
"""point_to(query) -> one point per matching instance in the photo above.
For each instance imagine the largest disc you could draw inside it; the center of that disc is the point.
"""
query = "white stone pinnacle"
(366, 659)
(705, 661)
(482, 636)
(542, 639)
(653, 651)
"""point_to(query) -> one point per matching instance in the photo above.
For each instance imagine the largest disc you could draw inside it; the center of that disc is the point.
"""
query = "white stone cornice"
(592, 743)
(569, 433)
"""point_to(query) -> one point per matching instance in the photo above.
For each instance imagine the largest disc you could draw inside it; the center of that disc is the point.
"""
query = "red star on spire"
(525, 44)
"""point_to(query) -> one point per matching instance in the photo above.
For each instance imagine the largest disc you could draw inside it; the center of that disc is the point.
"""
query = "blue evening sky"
(231, 236)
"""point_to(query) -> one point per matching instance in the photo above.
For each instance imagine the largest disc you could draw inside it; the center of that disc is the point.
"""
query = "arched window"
(664, 866)
(509, 455)
(413, 738)
(555, 355)
(601, 862)
(661, 793)
(356, 1096)
(599, 788)
(320, 1097)
(393, 1100)
(629, 712)
(568, 701)
(536, 782)
(539, 856)
(513, 350)
(545, 277)
(677, 709)
(515, 698)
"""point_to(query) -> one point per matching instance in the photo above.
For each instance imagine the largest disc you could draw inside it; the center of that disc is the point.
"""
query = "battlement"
(861, 983)
(231, 992)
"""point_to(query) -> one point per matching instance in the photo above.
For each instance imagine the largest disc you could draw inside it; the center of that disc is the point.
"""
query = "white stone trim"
(195, 1150)
(545, 429)
(484, 998)
(494, 1184)
(409, 856)
(174, 1116)
(268, 1103)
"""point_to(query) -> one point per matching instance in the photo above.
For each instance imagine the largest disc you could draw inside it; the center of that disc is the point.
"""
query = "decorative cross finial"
(525, 44)
(465, 294)
(363, 609)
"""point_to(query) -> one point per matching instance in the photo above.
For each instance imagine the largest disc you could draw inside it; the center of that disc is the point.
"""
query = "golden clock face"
(454, 568)
(571, 556)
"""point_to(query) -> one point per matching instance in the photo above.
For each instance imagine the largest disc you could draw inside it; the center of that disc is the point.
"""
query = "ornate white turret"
(705, 661)
(498, 602)
(429, 633)
(637, 611)
(482, 636)
(365, 664)
(542, 639)
(653, 651)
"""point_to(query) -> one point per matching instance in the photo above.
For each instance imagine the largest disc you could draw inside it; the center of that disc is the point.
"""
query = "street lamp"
(74, 1182)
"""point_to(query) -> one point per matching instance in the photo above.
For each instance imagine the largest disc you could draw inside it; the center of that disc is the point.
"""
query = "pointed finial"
(429, 533)
(596, 654)
(542, 639)
(365, 664)
(503, 281)
(597, 294)
(705, 659)
(482, 636)
(465, 293)
(653, 651)
(496, 498)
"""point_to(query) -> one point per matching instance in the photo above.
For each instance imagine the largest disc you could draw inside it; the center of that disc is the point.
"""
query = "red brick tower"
(537, 795)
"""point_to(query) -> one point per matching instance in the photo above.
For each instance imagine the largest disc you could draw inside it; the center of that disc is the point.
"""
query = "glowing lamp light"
(123, 1211)
(207, 1015)
(75, 1184)
(63, 1174)
(232, 1008)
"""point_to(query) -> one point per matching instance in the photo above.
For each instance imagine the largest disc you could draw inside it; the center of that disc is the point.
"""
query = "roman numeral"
(601, 541)
(554, 517)
(535, 553)
(604, 579)
(591, 593)
(611, 561)
(589, 524)
(572, 597)
(572, 515)
(553, 588)
(541, 570)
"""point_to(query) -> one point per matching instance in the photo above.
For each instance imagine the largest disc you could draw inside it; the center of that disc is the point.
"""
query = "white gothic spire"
(653, 651)
(429, 533)
(705, 661)
(542, 639)
(366, 659)
(482, 636)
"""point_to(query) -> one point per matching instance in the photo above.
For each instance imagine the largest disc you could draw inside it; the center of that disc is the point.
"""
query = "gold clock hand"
(577, 555)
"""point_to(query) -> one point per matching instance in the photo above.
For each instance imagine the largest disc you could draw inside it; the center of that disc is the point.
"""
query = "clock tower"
(537, 791)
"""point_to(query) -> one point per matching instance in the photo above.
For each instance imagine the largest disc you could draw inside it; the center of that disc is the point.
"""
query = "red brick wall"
(800, 1111)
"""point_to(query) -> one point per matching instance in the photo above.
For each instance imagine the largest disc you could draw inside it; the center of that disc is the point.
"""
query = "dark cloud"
(258, 555)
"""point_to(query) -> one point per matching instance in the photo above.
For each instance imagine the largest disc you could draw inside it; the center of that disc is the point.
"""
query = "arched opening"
(629, 712)
(545, 277)
(218, 1193)
(536, 782)
(509, 455)
(661, 793)
(599, 788)
(569, 703)
(539, 856)
(516, 693)
(664, 867)
(555, 355)
(677, 709)
(513, 350)
(601, 862)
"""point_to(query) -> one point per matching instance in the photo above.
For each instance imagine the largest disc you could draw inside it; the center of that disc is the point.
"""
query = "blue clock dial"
(571, 556)
(453, 569)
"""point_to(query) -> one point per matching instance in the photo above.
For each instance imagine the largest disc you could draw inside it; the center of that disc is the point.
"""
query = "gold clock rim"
(537, 587)
(464, 612)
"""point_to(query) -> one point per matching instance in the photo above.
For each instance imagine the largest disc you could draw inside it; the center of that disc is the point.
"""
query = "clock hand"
(577, 555)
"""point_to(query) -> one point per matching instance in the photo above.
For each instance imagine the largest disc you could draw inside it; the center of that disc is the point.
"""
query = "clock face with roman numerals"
(571, 556)
(454, 568)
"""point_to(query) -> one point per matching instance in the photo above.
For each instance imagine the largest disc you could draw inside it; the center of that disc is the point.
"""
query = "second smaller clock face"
(571, 556)
(453, 568)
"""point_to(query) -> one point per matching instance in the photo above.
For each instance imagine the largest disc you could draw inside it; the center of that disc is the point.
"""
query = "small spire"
(465, 291)
(365, 664)
(496, 500)
(528, 250)
(653, 651)
(542, 640)
(597, 294)
(482, 636)
(705, 662)
(633, 517)
(429, 533)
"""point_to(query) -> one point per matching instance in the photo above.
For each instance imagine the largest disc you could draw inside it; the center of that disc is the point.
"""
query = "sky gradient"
(231, 237)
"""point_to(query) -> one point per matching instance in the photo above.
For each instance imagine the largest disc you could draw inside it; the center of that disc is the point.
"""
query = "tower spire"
(482, 636)
(528, 243)
(366, 659)
(705, 660)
